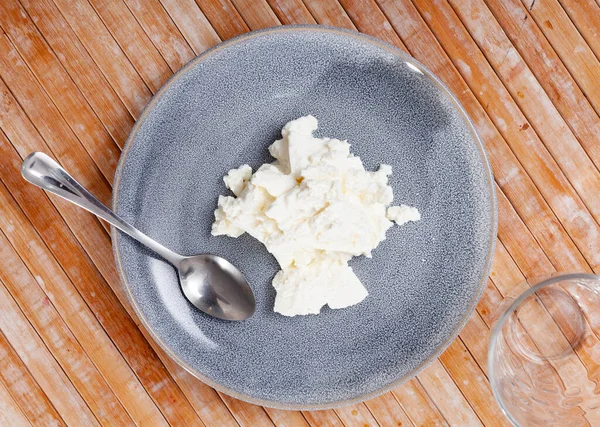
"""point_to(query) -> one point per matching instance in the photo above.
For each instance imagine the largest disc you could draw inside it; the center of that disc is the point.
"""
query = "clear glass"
(544, 354)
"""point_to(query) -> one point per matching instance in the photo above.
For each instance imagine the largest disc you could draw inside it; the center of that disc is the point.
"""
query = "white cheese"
(237, 179)
(314, 208)
(403, 214)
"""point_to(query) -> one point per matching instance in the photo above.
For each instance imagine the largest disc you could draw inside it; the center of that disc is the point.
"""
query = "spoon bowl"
(231, 300)
(209, 282)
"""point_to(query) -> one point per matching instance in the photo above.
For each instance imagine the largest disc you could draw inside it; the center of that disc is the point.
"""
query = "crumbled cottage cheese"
(314, 208)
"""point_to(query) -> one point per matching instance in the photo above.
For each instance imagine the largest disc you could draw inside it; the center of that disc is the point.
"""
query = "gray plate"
(224, 109)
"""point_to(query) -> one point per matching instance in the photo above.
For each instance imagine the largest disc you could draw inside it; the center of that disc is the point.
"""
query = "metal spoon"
(209, 282)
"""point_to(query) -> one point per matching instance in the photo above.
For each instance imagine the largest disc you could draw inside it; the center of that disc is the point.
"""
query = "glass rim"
(501, 320)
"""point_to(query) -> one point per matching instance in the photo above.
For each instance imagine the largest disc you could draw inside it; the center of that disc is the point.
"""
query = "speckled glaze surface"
(224, 109)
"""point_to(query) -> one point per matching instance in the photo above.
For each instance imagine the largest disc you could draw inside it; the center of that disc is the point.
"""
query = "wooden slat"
(374, 23)
(525, 143)
(447, 396)
(192, 23)
(469, 377)
(572, 48)
(323, 418)
(473, 337)
(514, 235)
(165, 36)
(256, 13)
(282, 417)
(513, 21)
(490, 300)
(10, 413)
(291, 12)
(102, 47)
(224, 18)
(246, 414)
(57, 84)
(464, 380)
(23, 388)
(356, 415)
(130, 35)
(48, 121)
(419, 407)
(42, 365)
(386, 410)
(205, 400)
(329, 12)
(81, 68)
(463, 369)
(585, 15)
(528, 92)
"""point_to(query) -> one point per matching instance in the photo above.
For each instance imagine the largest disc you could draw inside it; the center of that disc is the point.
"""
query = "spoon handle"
(41, 170)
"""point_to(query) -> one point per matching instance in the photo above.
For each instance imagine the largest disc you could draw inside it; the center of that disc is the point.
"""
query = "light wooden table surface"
(75, 75)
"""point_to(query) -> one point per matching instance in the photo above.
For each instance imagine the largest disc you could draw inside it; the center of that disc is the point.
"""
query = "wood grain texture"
(39, 361)
(56, 82)
(108, 55)
(537, 159)
(10, 413)
(420, 408)
(529, 94)
(23, 388)
(224, 18)
(74, 76)
(569, 44)
(584, 15)
(192, 24)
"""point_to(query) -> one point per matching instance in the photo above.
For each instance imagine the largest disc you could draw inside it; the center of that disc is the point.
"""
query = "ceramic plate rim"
(405, 57)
